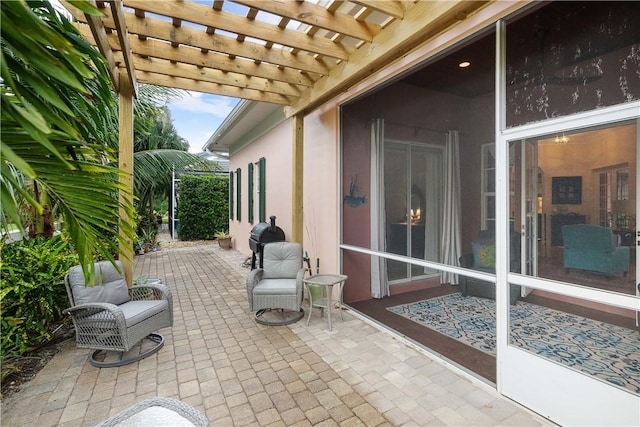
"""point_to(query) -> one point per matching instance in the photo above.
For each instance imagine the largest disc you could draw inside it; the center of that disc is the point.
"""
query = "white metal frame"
(410, 277)
(565, 396)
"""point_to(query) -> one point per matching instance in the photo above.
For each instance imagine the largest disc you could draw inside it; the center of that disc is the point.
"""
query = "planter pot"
(225, 243)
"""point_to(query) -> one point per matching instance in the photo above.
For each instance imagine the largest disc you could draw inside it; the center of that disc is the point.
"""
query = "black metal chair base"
(157, 339)
(286, 317)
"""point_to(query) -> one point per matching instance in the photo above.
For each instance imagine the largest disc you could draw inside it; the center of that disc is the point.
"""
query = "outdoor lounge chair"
(278, 285)
(109, 316)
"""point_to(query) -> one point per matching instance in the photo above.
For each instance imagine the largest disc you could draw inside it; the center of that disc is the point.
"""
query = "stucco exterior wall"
(276, 147)
(320, 199)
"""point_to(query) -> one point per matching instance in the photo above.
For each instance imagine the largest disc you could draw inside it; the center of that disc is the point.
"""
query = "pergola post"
(125, 162)
(297, 187)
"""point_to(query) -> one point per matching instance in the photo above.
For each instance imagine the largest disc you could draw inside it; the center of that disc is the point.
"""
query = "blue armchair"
(591, 247)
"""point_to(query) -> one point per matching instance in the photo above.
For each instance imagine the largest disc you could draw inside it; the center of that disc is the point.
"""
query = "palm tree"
(57, 122)
(158, 149)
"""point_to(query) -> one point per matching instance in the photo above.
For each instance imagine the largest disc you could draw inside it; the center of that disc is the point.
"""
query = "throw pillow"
(484, 255)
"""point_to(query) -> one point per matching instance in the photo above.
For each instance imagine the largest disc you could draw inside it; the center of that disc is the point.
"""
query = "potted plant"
(224, 239)
(149, 238)
(138, 246)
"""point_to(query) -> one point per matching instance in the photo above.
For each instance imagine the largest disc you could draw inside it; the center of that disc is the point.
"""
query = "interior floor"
(551, 266)
(478, 362)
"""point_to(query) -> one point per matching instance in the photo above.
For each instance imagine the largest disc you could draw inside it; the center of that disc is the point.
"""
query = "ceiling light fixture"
(464, 64)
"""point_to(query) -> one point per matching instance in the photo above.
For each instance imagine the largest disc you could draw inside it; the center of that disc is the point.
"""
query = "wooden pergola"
(294, 53)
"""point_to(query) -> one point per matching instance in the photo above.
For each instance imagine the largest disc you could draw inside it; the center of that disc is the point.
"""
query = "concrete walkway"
(238, 373)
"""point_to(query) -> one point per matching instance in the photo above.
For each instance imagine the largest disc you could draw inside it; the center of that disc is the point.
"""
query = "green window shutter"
(262, 194)
(230, 195)
(238, 194)
(250, 192)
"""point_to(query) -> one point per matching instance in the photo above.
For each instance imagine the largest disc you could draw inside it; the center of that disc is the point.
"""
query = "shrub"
(203, 207)
(33, 294)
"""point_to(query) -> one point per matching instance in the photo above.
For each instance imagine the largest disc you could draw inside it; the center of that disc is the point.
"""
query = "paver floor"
(239, 373)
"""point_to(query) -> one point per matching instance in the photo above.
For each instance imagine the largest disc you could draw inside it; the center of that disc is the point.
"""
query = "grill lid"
(263, 233)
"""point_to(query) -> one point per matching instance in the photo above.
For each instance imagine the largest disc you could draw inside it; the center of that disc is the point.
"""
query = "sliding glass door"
(567, 174)
(413, 206)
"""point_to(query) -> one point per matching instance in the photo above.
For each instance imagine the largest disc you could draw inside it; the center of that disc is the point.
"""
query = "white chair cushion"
(109, 286)
(275, 287)
(136, 311)
(282, 260)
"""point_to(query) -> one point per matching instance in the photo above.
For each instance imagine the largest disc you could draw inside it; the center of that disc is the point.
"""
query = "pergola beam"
(121, 27)
(212, 88)
(317, 16)
(391, 8)
(161, 30)
(422, 21)
(99, 35)
(208, 17)
(186, 71)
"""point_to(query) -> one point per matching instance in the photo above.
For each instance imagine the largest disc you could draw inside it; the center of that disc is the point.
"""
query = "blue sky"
(197, 115)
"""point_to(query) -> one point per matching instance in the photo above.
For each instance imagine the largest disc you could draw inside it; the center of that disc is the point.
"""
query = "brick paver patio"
(219, 360)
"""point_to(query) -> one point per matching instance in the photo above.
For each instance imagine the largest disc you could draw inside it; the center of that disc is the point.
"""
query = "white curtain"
(451, 224)
(379, 282)
(433, 208)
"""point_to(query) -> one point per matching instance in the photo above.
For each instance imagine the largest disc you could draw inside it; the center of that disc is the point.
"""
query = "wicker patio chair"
(277, 287)
(109, 316)
(158, 411)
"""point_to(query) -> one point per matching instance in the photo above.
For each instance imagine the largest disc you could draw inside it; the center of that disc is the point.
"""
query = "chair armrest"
(300, 283)
(300, 275)
(150, 291)
(466, 261)
(97, 311)
(252, 280)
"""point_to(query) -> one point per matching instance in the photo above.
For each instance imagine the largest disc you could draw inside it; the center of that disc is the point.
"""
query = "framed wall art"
(566, 190)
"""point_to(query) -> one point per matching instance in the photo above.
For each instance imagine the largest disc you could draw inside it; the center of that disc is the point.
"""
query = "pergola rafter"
(289, 52)
(293, 53)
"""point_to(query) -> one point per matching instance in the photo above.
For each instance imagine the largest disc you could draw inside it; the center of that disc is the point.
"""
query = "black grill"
(261, 234)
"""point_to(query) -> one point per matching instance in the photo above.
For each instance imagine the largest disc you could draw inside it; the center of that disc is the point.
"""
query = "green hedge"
(33, 294)
(203, 206)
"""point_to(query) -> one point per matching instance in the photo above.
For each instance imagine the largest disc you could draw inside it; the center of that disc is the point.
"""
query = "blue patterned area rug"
(608, 352)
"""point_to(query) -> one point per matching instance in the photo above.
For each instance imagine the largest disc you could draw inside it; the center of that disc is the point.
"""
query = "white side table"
(326, 282)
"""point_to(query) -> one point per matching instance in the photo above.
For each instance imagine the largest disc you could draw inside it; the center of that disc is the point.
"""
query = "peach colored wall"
(276, 147)
(320, 188)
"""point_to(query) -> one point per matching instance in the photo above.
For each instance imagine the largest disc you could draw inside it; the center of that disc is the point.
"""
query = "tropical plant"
(33, 294)
(222, 234)
(57, 126)
(204, 206)
(158, 149)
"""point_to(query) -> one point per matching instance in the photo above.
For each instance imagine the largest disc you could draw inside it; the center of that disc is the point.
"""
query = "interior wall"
(416, 114)
(278, 157)
(589, 152)
(480, 130)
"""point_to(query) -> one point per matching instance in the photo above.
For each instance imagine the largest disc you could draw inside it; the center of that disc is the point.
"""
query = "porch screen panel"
(585, 226)
(570, 57)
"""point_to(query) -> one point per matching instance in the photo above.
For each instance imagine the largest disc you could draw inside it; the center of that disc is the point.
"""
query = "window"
(231, 176)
